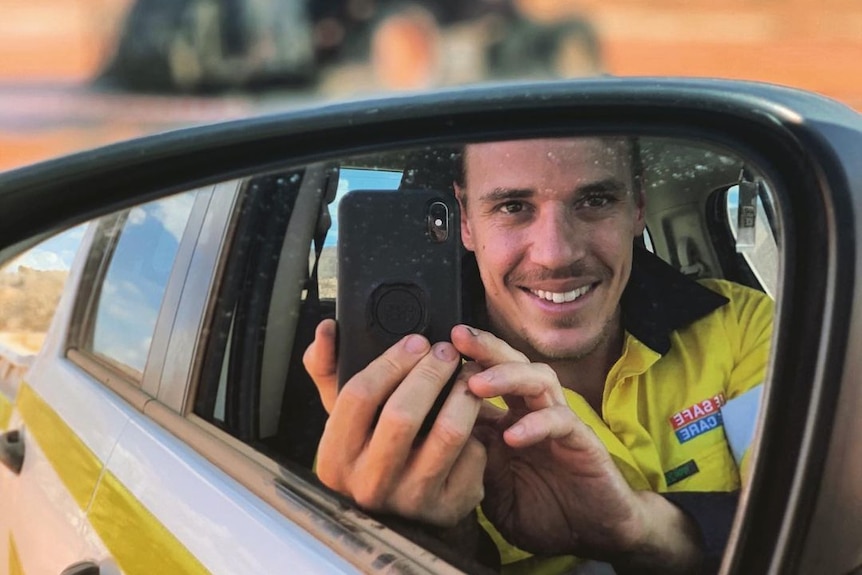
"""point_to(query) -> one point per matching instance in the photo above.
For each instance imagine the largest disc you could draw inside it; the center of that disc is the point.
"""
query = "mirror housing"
(803, 509)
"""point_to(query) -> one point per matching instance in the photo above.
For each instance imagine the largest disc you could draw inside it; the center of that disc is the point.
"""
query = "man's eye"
(598, 201)
(511, 207)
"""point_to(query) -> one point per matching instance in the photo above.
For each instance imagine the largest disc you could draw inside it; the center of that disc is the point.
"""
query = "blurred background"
(75, 74)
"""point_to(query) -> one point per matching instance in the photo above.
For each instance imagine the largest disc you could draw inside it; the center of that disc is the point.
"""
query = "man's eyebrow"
(606, 185)
(614, 185)
(502, 194)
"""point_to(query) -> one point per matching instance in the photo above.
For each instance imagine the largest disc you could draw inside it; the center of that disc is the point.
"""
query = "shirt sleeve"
(748, 319)
(713, 513)
(750, 328)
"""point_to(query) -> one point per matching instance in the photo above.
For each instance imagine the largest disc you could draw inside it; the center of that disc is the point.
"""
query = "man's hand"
(378, 461)
(551, 486)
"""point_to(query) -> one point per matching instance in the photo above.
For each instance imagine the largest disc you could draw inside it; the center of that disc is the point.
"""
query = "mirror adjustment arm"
(12, 450)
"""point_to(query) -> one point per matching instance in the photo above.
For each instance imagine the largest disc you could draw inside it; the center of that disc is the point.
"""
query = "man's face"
(551, 223)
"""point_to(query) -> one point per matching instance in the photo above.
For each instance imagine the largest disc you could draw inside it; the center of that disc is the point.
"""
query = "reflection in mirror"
(618, 262)
(612, 260)
(147, 239)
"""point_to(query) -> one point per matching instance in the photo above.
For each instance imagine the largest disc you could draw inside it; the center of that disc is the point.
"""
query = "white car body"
(104, 482)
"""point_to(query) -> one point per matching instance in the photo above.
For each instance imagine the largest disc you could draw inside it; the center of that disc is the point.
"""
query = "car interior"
(280, 270)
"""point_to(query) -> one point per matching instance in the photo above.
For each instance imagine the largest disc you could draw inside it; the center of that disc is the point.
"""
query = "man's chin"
(571, 346)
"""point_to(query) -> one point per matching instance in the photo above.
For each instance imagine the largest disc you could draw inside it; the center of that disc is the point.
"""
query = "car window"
(143, 244)
(358, 179)
(280, 281)
(758, 246)
(269, 305)
(277, 279)
(31, 286)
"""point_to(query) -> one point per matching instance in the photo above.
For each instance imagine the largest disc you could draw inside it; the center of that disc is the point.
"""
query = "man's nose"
(555, 238)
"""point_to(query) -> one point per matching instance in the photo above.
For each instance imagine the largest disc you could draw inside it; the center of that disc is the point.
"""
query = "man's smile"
(562, 297)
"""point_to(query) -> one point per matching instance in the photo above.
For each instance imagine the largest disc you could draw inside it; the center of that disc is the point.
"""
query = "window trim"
(78, 343)
(181, 363)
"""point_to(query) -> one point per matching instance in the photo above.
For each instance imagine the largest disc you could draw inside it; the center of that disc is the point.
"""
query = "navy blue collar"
(659, 300)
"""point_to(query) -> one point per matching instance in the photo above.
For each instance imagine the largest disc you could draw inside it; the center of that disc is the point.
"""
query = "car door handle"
(82, 568)
(12, 450)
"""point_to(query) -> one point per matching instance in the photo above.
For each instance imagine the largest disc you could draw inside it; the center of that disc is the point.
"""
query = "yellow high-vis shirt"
(680, 404)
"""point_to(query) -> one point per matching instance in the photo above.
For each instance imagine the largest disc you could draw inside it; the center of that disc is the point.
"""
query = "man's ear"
(466, 234)
(640, 212)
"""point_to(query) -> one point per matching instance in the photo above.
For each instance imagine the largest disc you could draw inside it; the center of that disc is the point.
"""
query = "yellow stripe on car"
(14, 561)
(115, 513)
(77, 466)
(136, 539)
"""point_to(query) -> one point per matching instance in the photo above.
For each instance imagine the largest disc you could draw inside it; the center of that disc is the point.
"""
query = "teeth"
(563, 297)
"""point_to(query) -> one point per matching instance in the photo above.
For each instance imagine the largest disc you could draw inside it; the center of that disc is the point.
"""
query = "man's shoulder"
(737, 293)
(744, 304)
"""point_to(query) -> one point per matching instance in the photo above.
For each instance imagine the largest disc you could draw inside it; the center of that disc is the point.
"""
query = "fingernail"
(415, 343)
(517, 430)
(444, 351)
(472, 331)
(327, 327)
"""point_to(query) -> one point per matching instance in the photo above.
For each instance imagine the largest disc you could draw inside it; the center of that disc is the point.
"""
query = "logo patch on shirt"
(677, 474)
(697, 419)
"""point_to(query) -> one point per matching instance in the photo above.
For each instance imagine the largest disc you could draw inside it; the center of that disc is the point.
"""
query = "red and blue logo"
(695, 420)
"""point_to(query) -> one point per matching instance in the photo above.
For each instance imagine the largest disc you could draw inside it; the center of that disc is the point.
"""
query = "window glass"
(359, 179)
(761, 254)
(136, 278)
(30, 289)
(264, 323)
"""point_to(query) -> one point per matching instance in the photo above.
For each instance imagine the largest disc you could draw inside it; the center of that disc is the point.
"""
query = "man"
(615, 371)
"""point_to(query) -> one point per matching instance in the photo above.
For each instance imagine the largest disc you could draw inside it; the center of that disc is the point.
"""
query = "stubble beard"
(538, 351)
(521, 337)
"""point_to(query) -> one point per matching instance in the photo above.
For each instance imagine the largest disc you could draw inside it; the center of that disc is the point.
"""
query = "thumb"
(319, 362)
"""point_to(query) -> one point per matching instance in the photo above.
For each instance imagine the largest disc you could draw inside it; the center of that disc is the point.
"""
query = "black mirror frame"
(804, 142)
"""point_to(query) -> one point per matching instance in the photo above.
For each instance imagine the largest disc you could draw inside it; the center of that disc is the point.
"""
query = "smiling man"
(611, 373)
(554, 256)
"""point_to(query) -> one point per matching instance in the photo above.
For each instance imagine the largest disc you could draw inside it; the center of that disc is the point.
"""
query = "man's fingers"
(557, 422)
(464, 489)
(483, 347)
(450, 432)
(523, 385)
(406, 409)
(319, 362)
(359, 400)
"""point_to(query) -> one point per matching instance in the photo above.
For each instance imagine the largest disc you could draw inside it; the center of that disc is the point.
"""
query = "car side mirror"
(800, 509)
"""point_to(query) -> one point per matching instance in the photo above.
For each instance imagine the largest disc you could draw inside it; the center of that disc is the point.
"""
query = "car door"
(141, 482)
(208, 496)
(160, 506)
(68, 420)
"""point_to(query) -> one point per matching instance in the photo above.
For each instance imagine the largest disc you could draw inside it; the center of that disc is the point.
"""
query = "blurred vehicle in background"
(216, 45)
(76, 74)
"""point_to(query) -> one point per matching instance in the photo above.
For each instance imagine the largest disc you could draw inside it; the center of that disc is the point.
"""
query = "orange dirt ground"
(28, 299)
(812, 45)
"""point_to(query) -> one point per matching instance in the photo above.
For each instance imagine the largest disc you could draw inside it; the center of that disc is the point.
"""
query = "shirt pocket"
(709, 469)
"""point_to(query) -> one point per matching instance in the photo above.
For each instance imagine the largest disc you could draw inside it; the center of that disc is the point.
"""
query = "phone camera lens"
(438, 221)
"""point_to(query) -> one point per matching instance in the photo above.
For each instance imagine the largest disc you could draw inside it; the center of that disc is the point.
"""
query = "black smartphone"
(399, 272)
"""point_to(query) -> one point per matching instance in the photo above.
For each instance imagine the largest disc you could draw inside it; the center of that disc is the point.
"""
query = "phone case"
(397, 273)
